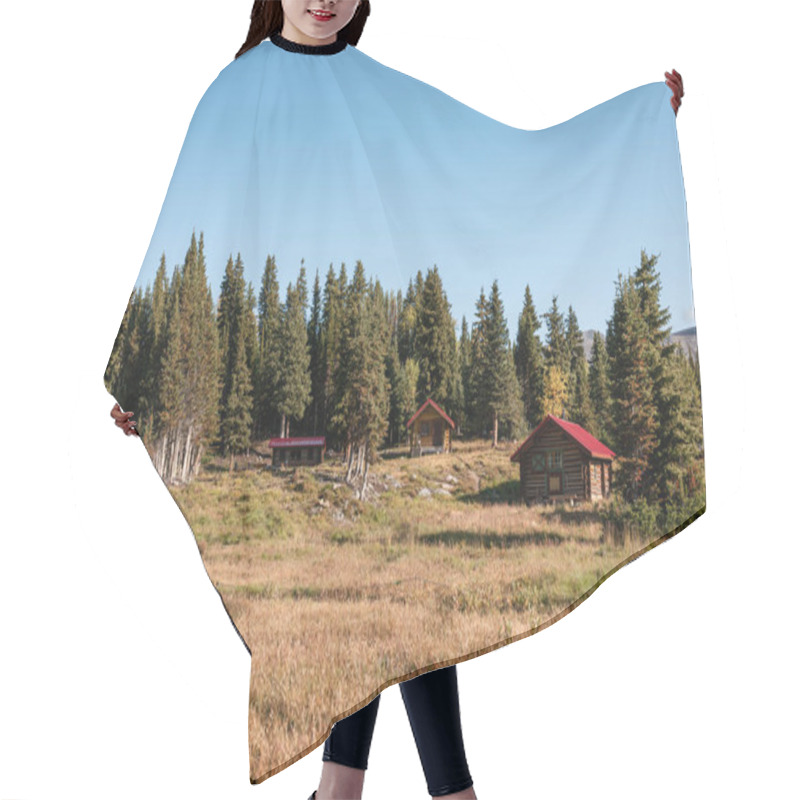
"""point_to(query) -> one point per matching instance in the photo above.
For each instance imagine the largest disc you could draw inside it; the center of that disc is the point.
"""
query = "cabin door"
(438, 439)
(554, 483)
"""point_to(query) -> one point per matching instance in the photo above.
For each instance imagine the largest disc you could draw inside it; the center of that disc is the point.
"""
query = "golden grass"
(338, 598)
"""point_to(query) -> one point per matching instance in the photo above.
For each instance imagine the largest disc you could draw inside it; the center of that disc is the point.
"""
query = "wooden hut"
(562, 461)
(429, 430)
(297, 451)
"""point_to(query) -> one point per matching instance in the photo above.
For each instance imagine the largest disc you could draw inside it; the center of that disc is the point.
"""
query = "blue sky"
(336, 158)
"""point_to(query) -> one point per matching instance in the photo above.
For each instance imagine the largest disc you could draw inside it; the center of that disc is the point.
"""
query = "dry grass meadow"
(339, 598)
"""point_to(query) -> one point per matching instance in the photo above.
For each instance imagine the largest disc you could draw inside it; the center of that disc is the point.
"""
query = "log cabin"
(561, 461)
(297, 451)
(429, 430)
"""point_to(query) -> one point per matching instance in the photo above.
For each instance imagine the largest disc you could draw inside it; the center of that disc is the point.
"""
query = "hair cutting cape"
(419, 381)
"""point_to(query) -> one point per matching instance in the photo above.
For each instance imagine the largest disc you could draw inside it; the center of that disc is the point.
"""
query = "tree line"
(354, 361)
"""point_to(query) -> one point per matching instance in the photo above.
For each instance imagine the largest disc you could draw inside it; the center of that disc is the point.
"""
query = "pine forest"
(351, 360)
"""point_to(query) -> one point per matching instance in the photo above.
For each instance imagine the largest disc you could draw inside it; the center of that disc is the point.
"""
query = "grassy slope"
(338, 598)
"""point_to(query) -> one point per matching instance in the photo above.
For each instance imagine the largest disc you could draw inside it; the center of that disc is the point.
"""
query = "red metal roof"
(298, 441)
(433, 405)
(594, 447)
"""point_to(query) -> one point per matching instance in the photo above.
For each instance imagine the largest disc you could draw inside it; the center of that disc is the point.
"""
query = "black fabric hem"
(308, 49)
(451, 788)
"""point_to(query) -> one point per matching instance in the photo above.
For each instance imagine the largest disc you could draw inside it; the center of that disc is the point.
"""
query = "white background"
(120, 673)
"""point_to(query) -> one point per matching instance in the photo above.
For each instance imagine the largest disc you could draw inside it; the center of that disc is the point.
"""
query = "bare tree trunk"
(198, 454)
(349, 470)
(172, 451)
(187, 454)
(494, 432)
(364, 484)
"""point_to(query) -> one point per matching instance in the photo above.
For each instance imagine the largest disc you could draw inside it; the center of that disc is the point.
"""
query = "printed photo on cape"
(418, 380)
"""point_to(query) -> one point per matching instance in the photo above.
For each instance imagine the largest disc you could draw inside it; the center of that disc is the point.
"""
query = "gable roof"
(594, 447)
(436, 408)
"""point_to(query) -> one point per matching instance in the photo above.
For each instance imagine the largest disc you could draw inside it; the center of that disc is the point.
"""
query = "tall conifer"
(529, 361)
(294, 388)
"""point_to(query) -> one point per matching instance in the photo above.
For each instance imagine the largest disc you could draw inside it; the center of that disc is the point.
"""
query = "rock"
(451, 479)
(424, 492)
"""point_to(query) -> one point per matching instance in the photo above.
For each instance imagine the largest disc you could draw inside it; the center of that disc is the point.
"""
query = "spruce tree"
(633, 405)
(316, 360)
(294, 387)
(435, 345)
(234, 325)
(579, 407)
(267, 359)
(478, 402)
(529, 361)
(406, 323)
(464, 369)
(362, 397)
(503, 395)
(330, 341)
(599, 392)
(557, 348)
(680, 432)
(190, 386)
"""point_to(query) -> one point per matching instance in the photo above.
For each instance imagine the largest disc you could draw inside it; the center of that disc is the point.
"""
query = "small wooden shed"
(561, 461)
(429, 430)
(297, 451)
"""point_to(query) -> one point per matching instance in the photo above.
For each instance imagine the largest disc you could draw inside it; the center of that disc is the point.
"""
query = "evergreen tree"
(464, 370)
(363, 402)
(680, 433)
(435, 343)
(126, 371)
(599, 392)
(267, 359)
(233, 322)
(503, 395)
(529, 361)
(294, 387)
(301, 287)
(579, 407)
(647, 283)
(330, 341)
(557, 349)
(634, 413)
(250, 331)
(406, 324)
(316, 360)
(153, 347)
(190, 387)
(478, 401)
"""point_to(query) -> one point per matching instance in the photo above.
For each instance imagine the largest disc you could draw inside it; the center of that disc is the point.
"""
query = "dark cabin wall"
(308, 456)
(573, 459)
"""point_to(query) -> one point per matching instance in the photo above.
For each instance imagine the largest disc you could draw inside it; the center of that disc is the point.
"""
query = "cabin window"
(554, 459)
(537, 462)
(425, 429)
